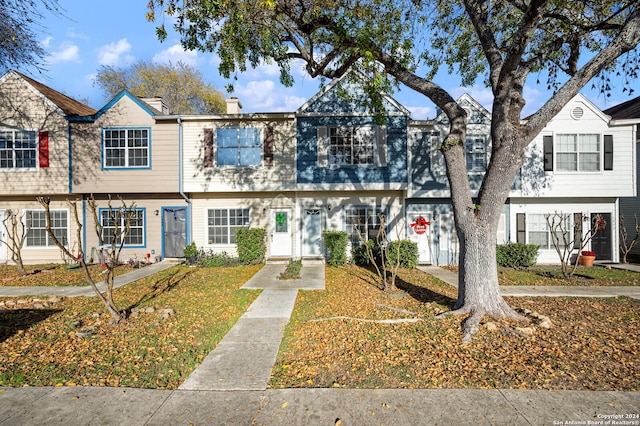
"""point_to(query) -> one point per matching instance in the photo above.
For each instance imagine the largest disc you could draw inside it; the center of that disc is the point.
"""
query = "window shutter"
(577, 230)
(548, 153)
(208, 147)
(521, 228)
(268, 146)
(382, 146)
(438, 166)
(323, 145)
(43, 149)
(608, 152)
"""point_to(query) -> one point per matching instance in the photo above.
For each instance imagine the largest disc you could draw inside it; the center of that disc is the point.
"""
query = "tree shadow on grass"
(14, 320)
(423, 294)
(161, 286)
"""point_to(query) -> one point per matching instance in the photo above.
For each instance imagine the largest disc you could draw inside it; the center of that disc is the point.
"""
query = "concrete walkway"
(119, 281)
(230, 387)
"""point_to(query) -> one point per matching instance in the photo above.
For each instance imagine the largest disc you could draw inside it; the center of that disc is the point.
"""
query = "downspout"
(70, 154)
(181, 180)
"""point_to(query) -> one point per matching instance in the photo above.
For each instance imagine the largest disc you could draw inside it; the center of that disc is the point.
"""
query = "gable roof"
(626, 110)
(332, 102)
(68, 105)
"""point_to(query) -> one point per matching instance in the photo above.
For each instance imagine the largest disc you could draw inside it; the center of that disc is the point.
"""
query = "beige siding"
(88, 172)
(43, 255)
(153, 238)
(280, 176)
(23, 108)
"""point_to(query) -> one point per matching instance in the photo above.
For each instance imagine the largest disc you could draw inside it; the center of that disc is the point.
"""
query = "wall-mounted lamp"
(328, 207)
(156, 212)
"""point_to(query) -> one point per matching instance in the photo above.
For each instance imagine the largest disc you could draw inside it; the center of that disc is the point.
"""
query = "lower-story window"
(36, 223)
(541, 233)
(363, 222)
(223, 223)
(114, 222)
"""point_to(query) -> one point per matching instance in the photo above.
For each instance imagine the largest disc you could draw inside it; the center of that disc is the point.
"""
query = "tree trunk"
(478, 288)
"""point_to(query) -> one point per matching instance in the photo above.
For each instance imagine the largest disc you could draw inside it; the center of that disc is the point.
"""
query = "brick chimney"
(233, 106)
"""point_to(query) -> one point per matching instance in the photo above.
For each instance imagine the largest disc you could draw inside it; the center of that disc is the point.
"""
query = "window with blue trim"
(126, 148)
(114, 223)
(239, 147)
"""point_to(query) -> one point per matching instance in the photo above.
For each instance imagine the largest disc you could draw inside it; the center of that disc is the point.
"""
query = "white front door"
(3, 238)
(312, 232)
(420, 233)
(281, 241)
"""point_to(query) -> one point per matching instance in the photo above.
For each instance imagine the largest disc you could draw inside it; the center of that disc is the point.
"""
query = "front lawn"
(592, 345)
(584, 276)
(179, 316)
(53, 275)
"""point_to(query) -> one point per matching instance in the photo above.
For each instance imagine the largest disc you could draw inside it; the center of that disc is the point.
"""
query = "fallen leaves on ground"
(71, 342)
(54, 275)
(592, 345)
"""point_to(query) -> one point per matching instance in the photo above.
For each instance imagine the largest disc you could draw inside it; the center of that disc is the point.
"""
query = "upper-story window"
(18, 149)
(126, 148)
(476, 153)
(239, 147)
(578, 152)
(352, 146)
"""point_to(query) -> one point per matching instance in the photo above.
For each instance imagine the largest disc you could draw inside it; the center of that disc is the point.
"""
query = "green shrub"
(251, 245)
(516, 255)
(408, 253)
(336, 244)
(216, 260)
(359, 254)
(190, 251)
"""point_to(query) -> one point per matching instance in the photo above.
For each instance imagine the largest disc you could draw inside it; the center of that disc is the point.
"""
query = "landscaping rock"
(491, 326)
(54, 299)
(527, 331)
(150, 310)
(166, 313)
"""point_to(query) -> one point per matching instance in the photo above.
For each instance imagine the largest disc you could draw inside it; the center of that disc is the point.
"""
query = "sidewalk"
(230, 387)
(554, 291)
(119, 281)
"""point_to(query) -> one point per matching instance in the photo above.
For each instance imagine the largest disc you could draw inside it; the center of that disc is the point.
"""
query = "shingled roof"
(626, 110)
(68, 105)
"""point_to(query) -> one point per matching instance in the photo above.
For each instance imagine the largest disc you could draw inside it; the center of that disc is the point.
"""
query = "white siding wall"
(604, 183)
(281, 176)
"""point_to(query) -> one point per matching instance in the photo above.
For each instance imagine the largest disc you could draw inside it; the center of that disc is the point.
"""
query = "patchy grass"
(44, 347)
(584, 276)
(53, 275)
(593, 344)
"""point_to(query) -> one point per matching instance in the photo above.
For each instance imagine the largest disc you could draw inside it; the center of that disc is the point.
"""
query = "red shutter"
(43, 148)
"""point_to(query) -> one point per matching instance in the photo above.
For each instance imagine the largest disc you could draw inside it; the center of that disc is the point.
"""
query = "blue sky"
(93, 33)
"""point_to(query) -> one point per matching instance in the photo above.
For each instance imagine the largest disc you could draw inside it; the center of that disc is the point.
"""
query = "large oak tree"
(502, 42)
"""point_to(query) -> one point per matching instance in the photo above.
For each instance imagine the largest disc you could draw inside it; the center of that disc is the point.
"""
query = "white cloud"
(46, 42)
(480, 93)
(68, 52)
(421, 112)
(175, 54)
(115, 53)
(268, 96)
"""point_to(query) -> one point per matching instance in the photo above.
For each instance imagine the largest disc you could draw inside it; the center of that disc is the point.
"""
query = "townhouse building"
(330, 165)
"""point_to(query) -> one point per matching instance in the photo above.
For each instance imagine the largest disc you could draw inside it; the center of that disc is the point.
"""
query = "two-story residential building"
(35, 158)
(331, 165)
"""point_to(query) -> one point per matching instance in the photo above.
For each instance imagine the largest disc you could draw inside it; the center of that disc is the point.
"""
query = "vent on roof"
(577, 113)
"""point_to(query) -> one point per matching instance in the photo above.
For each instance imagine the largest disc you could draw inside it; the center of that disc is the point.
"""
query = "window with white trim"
(223, 223)
(126, 148)
(578, 152)
(238, 147)
(114, 223)
(352, 146)
(363, 220)
(539, 232)
(18, 149)
(36, 224)
(476, 153)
